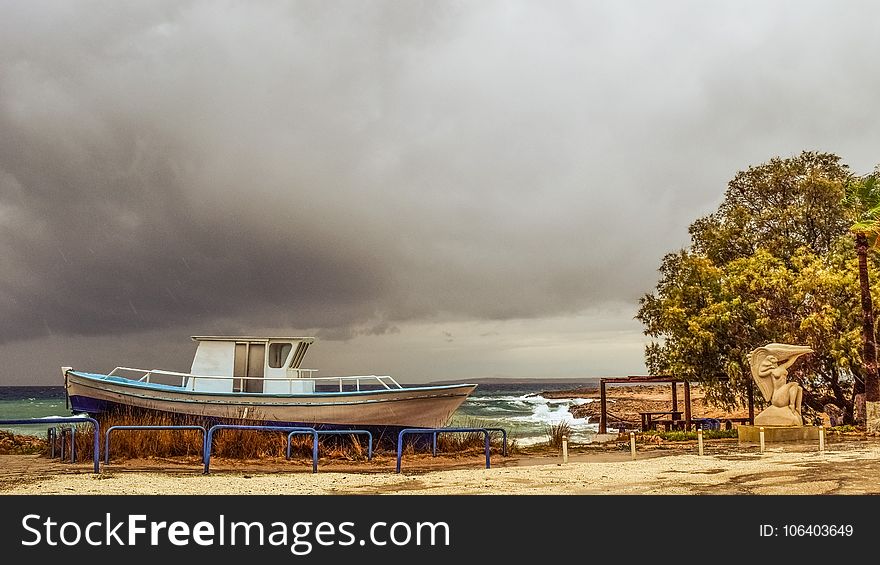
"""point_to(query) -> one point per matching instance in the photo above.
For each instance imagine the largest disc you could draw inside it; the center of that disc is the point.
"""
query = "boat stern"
(64, 371)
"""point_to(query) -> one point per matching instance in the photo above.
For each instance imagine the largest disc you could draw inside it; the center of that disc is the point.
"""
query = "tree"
(706, 319)
(773, 263)
(863, 195)
(780, 206)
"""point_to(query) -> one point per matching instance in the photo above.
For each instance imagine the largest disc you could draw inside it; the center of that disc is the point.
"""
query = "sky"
(435, 190)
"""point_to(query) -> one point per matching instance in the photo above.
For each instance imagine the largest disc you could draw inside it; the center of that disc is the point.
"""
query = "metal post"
(434, 432)
(486, 434)
(50, 435)
(73, 444)
(564, 449)
(289, 437)
(700, 440)
(107, 445)
(632, 444)
(206, 456)
(822, 439)
(96, 443)
(399, 448)
(503, 439)
(314, 434)
(61, 453)
(761, 435)
(314, 452)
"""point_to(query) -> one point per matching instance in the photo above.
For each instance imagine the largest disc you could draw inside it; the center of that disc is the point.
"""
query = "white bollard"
(564, 449)
(700, 439)
(632, 444)
(761, 435)
(822, 439)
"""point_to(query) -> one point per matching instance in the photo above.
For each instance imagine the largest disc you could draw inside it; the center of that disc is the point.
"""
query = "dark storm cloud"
(343, 167)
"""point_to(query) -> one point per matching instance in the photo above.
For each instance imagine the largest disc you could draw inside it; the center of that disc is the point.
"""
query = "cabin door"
(249, 361)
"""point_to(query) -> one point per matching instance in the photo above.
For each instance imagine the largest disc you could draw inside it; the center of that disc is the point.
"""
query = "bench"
(649, 423)
(668, 425)
(725, 423)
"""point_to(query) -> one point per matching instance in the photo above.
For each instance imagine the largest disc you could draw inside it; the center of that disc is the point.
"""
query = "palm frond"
(863, 196)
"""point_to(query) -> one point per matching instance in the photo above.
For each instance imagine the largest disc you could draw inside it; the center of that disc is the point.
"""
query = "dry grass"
(253, 444)
(232, 444)
(555, 433)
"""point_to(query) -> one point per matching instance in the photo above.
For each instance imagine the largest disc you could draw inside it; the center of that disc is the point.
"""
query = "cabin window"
(278, 353)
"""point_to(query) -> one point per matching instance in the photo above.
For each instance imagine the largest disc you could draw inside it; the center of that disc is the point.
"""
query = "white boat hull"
(427, 406)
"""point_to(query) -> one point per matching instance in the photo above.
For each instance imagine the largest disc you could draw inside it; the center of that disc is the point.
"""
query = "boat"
(260, 381)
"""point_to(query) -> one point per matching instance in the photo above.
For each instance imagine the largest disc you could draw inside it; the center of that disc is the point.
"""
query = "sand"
(846, 467)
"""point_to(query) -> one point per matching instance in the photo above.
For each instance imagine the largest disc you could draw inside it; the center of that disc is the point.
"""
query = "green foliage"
(844, 429)
(775, 263)
(686, 436)
(782, 205)
(863, 196)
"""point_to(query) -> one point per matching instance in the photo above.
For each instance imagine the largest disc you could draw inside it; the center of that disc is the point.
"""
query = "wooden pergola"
(603, 417)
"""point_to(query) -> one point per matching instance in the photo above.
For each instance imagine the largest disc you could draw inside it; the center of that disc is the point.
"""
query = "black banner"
(434, 529)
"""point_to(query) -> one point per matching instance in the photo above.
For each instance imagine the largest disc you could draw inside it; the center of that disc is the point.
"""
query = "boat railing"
(302, 374)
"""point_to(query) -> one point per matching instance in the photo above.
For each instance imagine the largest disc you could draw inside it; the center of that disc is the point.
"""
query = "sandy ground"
(846, 467)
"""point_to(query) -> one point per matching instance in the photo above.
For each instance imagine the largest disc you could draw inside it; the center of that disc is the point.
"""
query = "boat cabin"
(268, 365)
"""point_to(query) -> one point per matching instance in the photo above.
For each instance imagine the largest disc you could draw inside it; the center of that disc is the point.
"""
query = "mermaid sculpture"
(769, 366)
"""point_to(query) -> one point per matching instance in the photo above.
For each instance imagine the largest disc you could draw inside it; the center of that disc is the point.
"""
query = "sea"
(19, 402)
(525, 412)
(520, 408)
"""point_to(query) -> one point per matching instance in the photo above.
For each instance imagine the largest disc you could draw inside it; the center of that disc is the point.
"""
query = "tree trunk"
(872, 382)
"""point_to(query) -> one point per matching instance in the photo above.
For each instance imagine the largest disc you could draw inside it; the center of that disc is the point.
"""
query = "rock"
(18, 444)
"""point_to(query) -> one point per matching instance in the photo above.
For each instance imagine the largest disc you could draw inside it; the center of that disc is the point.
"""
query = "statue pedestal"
(773, 434)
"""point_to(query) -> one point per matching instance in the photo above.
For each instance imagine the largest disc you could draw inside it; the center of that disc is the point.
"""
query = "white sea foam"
(488, 399)
(547, 414)
(529, 416)
(527, 399)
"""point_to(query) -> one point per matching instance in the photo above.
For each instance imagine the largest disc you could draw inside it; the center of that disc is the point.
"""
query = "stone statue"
(770, 370)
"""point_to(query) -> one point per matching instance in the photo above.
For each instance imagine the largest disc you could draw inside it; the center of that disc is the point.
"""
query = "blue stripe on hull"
(90, 405)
